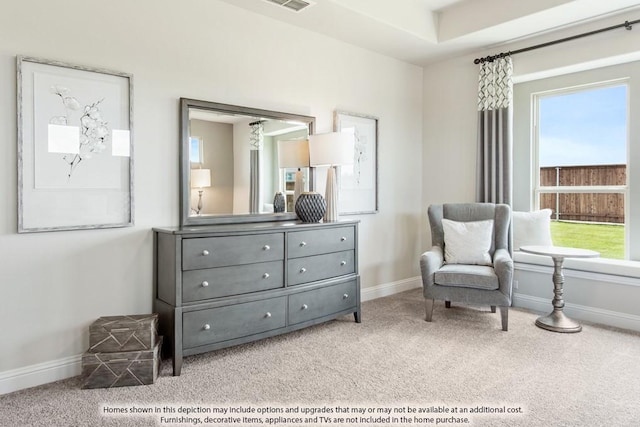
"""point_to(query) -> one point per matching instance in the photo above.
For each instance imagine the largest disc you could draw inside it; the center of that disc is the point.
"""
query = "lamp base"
(199, 202)
(331, 194)
(298, 186)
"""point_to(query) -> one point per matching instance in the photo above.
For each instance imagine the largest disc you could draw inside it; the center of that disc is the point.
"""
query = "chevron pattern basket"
(310, 207)
(123, 333)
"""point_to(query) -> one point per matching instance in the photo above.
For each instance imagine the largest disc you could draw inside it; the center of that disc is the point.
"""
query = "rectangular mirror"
(229, 170)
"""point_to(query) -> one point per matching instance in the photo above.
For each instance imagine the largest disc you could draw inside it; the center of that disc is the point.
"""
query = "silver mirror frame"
(185, 104)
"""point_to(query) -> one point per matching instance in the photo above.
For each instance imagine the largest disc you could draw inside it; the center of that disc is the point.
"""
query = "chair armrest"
(503, 265)
(430, 262)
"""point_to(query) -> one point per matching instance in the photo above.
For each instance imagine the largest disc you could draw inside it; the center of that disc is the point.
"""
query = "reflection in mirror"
(293, 161)
(231, 164)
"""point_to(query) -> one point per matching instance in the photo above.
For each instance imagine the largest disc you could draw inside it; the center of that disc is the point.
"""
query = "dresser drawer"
(319, 267)
(314, 242)
(232, 321)
(322, 302)
(235, 280)
(208, 252)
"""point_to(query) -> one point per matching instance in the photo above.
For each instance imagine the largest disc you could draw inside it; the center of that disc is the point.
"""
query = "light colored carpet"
(392, 359)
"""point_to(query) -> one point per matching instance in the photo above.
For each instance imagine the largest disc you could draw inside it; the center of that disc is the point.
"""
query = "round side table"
(557, 321)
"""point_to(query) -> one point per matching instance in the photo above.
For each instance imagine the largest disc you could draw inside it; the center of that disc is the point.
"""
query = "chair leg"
(493, 308)
(504, 316)
(428, 309)
(447, 304)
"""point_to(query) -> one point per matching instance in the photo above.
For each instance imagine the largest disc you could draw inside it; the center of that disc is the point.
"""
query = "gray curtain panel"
(495, 112)
(256, 142)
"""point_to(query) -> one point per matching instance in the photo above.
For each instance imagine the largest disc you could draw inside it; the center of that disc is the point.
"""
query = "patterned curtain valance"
(495, 165)
(495, 84)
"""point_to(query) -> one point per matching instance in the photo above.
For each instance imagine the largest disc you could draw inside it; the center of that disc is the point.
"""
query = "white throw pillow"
(532, 228)
(467, 242)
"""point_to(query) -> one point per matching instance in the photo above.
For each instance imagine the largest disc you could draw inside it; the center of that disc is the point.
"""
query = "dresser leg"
(177, 365)
(177, 341)
(356, 315)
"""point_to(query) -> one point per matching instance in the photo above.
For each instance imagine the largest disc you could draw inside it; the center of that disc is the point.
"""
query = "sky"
(584, 128)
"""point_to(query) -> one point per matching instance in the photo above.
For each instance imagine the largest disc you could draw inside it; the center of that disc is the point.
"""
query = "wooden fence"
(594, 207)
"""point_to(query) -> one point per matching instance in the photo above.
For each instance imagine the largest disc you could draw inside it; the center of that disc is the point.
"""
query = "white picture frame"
(359, 182)
(75, 146)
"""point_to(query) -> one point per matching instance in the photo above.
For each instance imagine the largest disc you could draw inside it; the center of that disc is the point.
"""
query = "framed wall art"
(359, 182)
(75, 147)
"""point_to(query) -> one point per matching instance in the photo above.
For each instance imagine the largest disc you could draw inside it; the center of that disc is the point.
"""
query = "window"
(581, 144)
(576, 150)
(195, 150)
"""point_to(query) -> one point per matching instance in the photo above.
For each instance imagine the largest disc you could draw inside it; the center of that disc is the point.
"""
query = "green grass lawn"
(606, 239)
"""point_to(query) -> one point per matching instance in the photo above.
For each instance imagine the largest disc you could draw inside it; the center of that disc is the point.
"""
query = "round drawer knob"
(205, 284)
(206, 327)
(305, 306)
(345, 296)
(267, 315)
(303, 270)
(343, 263)
(303, 243)
(205, 252)
(266, 247)
(265, 276)
(343, 239)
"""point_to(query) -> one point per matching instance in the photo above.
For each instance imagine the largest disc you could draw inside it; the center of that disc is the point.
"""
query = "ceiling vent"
(293, 5)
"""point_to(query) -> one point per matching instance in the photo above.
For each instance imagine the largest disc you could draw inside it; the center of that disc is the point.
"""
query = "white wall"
(53, 285)
(449, 153)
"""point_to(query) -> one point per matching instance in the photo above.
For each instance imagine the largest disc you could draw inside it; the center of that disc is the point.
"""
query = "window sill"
(600, 266)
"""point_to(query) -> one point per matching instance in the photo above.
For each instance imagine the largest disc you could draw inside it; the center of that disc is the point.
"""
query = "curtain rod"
(627, 25)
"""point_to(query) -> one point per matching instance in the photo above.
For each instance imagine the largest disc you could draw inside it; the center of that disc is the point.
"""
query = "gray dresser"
(223, 285)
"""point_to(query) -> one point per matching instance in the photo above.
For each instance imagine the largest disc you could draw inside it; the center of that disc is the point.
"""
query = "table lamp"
(331, 149)
(200, 178)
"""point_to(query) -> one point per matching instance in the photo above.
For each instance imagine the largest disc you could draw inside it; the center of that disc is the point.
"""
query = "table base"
(557, 321)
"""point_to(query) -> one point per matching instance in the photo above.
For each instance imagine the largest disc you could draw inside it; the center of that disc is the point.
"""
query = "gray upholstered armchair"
(452, 281)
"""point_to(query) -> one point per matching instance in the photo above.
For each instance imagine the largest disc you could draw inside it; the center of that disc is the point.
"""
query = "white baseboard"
(580, 312)
(387, 289)
(41, 373)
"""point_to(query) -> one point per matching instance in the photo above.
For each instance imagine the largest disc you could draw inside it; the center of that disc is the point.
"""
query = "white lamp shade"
(331, 149)
(200, 178)
(293, 154)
